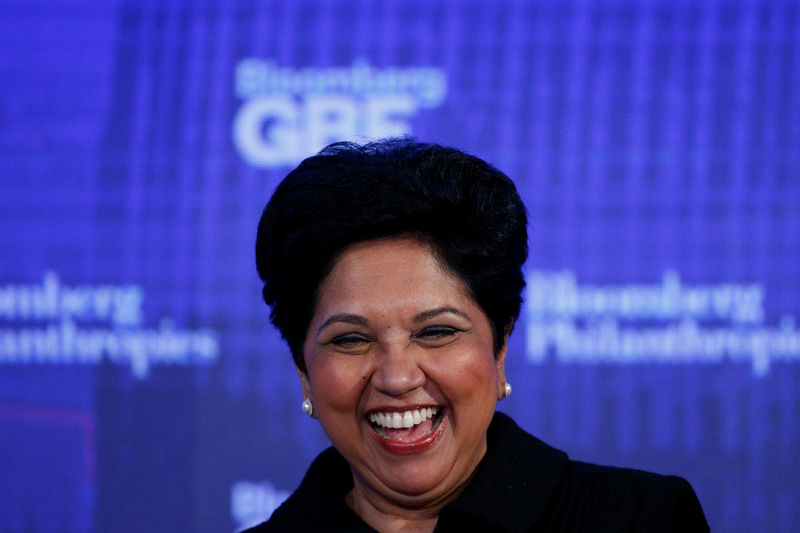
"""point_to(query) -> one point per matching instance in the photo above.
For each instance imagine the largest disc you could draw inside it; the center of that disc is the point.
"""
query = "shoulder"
(318, 503)
(624, 499)
(540, 488)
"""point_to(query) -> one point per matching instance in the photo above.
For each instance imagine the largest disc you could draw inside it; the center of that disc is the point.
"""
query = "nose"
(398, 371)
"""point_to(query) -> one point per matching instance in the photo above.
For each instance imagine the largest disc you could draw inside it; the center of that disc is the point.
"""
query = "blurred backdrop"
(655, 143)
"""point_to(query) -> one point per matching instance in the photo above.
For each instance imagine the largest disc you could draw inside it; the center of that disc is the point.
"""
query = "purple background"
(644, 136)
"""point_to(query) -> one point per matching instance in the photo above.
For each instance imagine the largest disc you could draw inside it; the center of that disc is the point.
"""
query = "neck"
(388, 518)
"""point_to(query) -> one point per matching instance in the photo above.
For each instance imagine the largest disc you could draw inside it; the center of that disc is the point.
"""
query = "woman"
(393, 271)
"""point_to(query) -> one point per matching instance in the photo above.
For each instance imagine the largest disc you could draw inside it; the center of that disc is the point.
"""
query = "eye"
(436, 333)
(350, 341)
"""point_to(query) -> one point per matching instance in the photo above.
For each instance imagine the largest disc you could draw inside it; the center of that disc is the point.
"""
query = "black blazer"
(521, 485)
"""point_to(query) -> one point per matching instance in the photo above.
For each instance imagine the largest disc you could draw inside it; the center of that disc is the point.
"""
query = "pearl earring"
(308, 407)
(507, 390)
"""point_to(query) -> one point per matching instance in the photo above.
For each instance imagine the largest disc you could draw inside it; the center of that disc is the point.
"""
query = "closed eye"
(436, 333)
(350, 341)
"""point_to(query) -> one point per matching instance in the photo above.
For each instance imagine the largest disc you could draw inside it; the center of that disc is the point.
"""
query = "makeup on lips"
(408, 430)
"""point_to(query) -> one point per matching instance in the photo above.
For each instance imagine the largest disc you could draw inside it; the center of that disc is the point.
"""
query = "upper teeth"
(406, 419)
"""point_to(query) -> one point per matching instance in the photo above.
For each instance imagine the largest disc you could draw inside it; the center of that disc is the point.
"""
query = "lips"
(409, 431)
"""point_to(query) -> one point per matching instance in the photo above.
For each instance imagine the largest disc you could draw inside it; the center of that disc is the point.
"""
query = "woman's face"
(401, 371)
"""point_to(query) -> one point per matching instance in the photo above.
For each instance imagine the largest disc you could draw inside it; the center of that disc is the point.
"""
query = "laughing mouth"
(406, 426)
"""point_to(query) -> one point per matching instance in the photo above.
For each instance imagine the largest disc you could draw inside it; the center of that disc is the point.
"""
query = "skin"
(392, 328)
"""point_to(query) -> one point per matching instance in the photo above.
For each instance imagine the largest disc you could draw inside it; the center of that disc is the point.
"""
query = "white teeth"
(406, 419)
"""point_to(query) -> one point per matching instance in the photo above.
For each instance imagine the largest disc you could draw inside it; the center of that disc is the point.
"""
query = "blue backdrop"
(656, 144)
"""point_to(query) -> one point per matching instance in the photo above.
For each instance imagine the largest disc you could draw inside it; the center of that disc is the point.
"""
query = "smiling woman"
(423, 344)
(393, 271)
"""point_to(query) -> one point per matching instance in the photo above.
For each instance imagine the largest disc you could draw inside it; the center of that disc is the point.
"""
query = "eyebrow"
(358, 320)
(347, 318)
(427, 315)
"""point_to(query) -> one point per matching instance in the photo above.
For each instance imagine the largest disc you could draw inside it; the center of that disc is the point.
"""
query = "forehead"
(390, 271)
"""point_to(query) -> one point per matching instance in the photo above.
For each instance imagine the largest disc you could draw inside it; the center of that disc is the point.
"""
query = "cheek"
(467, 374)
(336, 383)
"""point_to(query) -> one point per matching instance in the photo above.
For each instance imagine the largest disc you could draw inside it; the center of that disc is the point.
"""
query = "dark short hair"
(468, 212)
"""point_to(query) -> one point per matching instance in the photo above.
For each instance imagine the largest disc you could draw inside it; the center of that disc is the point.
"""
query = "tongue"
(411, 434)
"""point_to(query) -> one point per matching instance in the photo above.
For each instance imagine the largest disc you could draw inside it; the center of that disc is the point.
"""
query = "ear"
(500, 363)
(305, 385)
